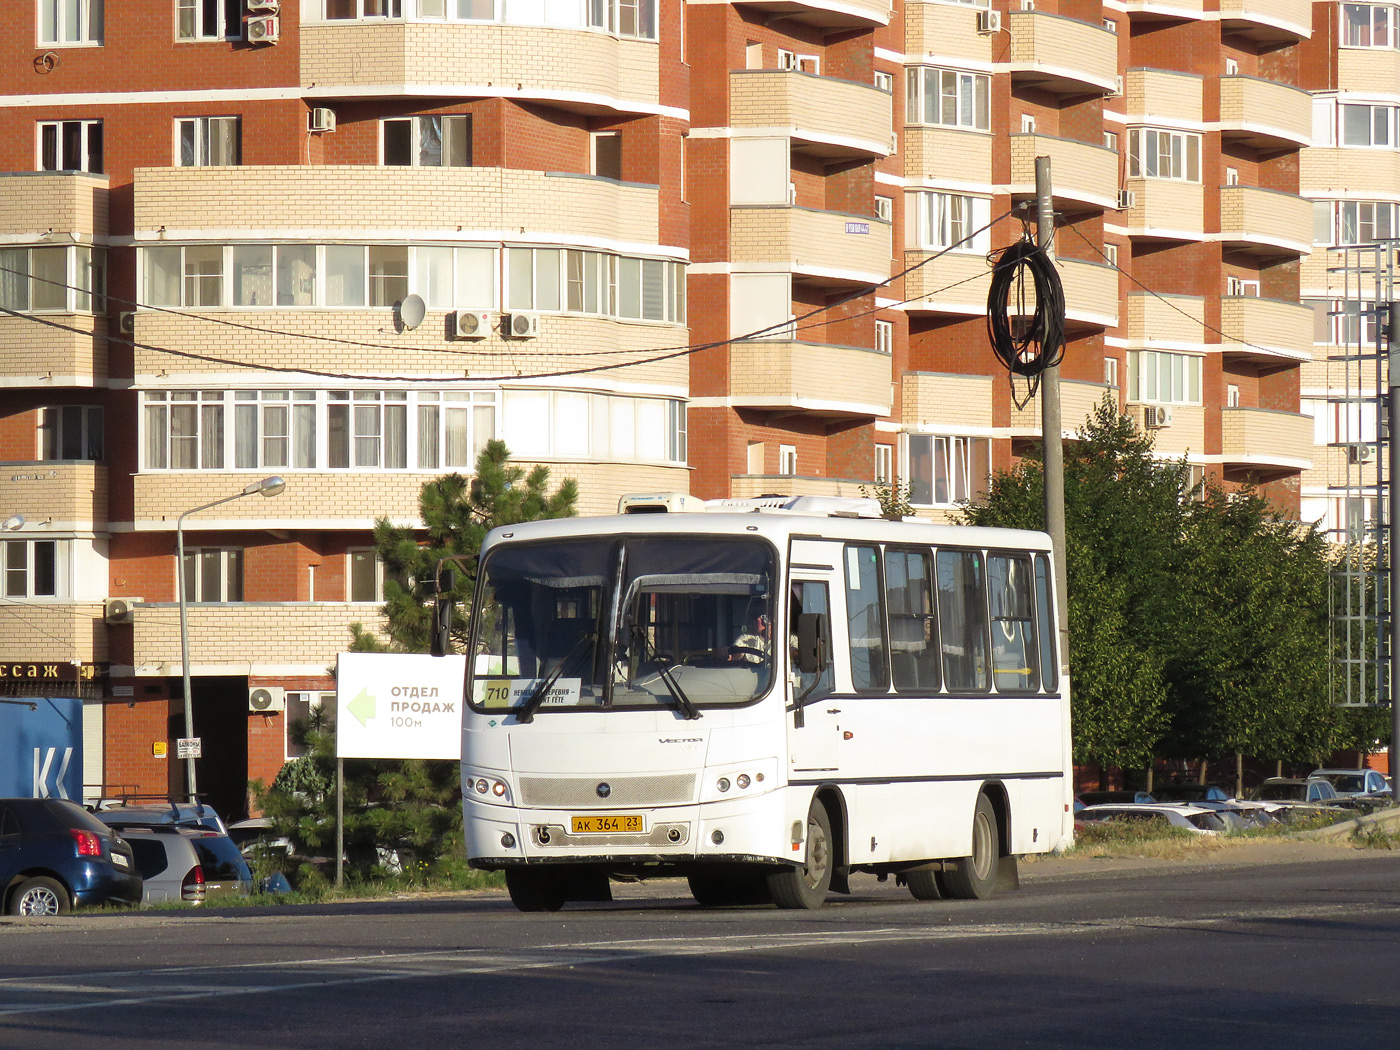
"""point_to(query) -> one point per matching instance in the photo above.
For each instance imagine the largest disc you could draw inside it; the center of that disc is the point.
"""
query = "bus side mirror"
(811, 643)
(441, 643)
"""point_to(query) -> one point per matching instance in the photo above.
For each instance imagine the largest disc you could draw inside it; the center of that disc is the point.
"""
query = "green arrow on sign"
(362, 707)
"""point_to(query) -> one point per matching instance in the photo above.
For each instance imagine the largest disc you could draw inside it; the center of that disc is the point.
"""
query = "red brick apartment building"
(211, 210)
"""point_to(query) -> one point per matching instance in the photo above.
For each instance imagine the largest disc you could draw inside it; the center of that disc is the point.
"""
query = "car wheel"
(806, 887)
(39, 896)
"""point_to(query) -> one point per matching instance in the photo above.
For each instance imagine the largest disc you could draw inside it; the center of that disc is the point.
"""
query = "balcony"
(948, 29)
(294, 637)
(33, 202)
(331, 499)
(1063, 56)
(35, 355)
(57, 630)
(1083, 173)
(1163, 94)
(816, 378)
(826, 248)
(72, 494)
(828, 14)
(1166, 322)
(947, 153)
(946, 399)
(1264, 114)
(1354, 173)
(1166, 210)
(1091, 293)
(601, 485)
(1186, 435)
(1265, 331)
(1166, 10)
(823, 116)
(1264, 443)
(1265, 222)
(1368, 69)
(749, 486)
(1078, 400)
(377, 201)
(954, 283)
(579, 69)
(1267, 21)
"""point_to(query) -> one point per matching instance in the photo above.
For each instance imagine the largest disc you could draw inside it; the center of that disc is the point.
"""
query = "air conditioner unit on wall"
(126, 322)
(264, 29)
(322, 119)
(266, 699)
(1360, 453)
(1126, 199)
(266, 7)
(119, 610)
(470, 324)
(1154, 417)
(1117, 91)
(522, 326)
(989, 21)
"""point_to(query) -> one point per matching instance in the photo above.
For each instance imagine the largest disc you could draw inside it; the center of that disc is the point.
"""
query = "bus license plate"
(623, 822)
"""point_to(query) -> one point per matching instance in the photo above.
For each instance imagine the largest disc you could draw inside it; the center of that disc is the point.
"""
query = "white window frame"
(1379, 131)
(884, 81)
(959, 468)
(451, 127)
(787, 460)
(961, 99)
(884, 337)
(230, 574)
(1110, 372)
(595, 138)
(351, 553)
(1241, 287)
(1162, 153)
(190, 21)
(204, 136)
(1159, 377)
(1379, 30)
(81, 287)
(19, 564)
(90, 146)
(953, 221)
(54, 28)
(630, 19)
(884, 464)
(70, 428)
(1355, 222)
(362, 9)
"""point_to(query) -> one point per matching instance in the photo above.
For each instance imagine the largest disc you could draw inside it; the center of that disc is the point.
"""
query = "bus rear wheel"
(806, 887)
(975, 877)
(535, 889)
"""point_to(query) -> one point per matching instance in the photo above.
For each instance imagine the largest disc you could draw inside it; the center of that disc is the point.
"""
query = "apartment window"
(70, 21)
(1232, 396)
(1110, 140)
(1232, 176)
(787, 59)
(629, 18)
(299, 707)
(1027, 123)
(1368, 25)
(1232, 67)
(69, 432)
(274, 428)
(203, 270)
(208, 141)
(31, 568)
(1163, 378)
(184, 429)
(70, 279)
(948, 97)
(944, 470)
(70, 145)
(1353, 222)
(952, 220)
(1111, 25)
(1110, 371)
(884, 81)
(1240, 287)
(367, 428)
(1155, 153)
(884, 464)
(1110, 255)
(607, 154)
(787, 460)
(366, 575)
(364, 9)
(428, 142)
(1367, 125)
(213, 574)
(573, 424)
(454, 426)
(884, 336)
(209, 19)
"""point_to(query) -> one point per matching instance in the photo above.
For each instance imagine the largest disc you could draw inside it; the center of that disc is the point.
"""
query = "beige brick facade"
(956, 282)
(775, 375)
(1082, 171)
(947, 153)
(55, 631)
(34, 354)
(1091, 291)
(1254, 326)
(804, 240)
(1253, 105)
(1348, 172)
(1167, 206)
(1077, 403)
(1262, 436)
(1253, 215)
(247, 634)
(64, 202)
(747, 486)
(1163, 94)
(947, 399)
(1171, 319)
(1185, 437)
(814, 108)
(1294, 15)
(1064, 48)
(73, 495)
(945, 30)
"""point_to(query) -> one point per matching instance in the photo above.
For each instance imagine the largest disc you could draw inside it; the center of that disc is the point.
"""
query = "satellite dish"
(412, 311)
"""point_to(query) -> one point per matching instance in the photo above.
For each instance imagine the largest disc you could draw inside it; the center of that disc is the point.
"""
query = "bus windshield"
(672, 621)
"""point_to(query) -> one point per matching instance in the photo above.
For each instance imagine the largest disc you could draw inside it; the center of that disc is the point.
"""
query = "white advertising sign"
(399, 705)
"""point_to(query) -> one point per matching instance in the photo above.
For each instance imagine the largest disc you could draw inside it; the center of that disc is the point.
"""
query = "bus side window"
(1046, 625)
(914, 655)
(1013, 641)
(809, 597)
(865, 622)
(962, 620)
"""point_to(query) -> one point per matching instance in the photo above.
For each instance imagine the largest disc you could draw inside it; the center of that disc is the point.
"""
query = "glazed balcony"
(44, 204)
(1264, 442)
(1163, 94)
(948, 29)
(1062, 56)
(1264, 114)
(954, 283)
(72, 494)
(825, 248)
(44, 631)
(1267, 21)
(1157, 321)
(947, 153)
(1265, 331)
(37, 355)
(308, 199)
(1091, 293)
(823, 116)
(1265, 222)
(581, 69)
(1084, 174)
(1166, 210)
(820, 379)
(946, 399)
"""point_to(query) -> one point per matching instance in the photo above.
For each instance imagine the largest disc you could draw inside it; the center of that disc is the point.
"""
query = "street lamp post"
(266, 487)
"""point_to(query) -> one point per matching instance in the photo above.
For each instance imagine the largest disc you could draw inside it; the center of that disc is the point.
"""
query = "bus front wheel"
(806, 887)
(975, 877)
(534, 889)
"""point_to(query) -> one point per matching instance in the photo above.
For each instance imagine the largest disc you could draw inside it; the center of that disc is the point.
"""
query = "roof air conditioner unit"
(522, 326)
(1126, 199)
(262, 30)
(265, 700)
(470, 324)
(267, 7)
(1154, 417)
(322, 119)
(119, 610)
(1360, 453)
(989, 21)
(126, 322)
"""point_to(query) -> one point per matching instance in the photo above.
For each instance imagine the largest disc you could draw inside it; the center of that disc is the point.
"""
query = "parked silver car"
(193, 865)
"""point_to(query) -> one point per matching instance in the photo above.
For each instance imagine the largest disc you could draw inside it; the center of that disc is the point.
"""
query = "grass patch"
(1121, 838)
(1373, 836)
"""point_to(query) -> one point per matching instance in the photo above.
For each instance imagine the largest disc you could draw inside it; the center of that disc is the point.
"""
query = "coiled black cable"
(1035, 342)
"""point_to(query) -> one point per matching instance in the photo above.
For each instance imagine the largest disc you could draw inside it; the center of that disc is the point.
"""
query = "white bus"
(763, 702)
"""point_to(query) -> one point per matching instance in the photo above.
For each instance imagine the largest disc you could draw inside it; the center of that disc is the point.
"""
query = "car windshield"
(1281, 792)
(1348, 782)
(220, 859)
(675, 621)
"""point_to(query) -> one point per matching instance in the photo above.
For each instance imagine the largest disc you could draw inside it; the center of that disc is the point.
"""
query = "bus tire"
(924, 885)
(533, 889)
(806, 887)
(975, 877)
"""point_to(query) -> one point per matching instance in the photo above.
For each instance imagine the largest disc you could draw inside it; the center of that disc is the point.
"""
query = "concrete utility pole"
(1392, 417)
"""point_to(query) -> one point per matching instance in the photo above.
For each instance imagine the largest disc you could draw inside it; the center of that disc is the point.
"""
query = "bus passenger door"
(813, 732)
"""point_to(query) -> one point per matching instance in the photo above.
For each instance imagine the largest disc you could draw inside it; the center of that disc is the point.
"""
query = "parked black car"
(55, 855)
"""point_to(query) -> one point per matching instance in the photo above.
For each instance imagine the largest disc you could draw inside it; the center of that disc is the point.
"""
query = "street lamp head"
(267, 487)
(13, 522)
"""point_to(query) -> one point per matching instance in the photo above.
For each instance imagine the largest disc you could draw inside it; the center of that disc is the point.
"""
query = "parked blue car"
(55, 855)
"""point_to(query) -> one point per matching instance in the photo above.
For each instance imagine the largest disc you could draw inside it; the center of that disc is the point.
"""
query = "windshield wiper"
(525, 713)
(683, 702)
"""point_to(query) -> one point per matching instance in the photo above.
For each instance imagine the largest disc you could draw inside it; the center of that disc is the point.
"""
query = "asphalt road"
(1298, 955)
